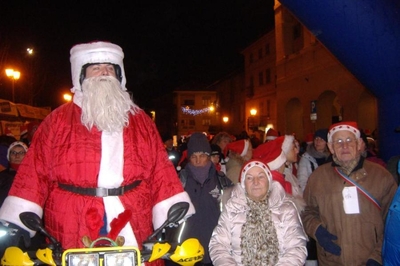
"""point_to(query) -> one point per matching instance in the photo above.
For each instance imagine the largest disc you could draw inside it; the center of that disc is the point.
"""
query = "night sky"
(166, 43)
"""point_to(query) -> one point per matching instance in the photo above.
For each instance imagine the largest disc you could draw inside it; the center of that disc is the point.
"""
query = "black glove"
(325, 238)
(11, 234)
(372, 262)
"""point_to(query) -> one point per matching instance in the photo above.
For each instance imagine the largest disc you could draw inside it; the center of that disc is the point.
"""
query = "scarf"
(316, 154)
(259, 242)
(15, 166)
(347, 167)
(200, 174)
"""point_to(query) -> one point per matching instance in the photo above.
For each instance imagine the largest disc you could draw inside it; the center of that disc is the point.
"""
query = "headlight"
(3, 233)
(120, 259)
(83, 259)
(116, 256)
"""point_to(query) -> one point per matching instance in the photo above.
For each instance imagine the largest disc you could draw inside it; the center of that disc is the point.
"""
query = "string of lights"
(187, 110)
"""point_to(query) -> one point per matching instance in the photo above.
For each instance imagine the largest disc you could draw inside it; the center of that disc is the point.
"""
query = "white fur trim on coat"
(160, 210)
(12, 207)
(110, 176)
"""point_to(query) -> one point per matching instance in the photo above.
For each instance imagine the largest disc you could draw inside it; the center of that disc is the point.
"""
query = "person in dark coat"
(15, 154)
(205, 186)
(173, 154)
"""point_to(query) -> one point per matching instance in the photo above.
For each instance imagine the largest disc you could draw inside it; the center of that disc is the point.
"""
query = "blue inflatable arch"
(365, 36)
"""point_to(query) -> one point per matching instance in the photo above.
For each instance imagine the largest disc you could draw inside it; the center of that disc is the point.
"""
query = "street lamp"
(251, 120)
(67, 97)
(14, 75)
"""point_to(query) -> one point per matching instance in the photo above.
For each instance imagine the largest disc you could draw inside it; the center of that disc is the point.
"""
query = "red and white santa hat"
(8, 132)
(23, 129)
(254, 163)
(309, 138)
(271, 134)
(240, 146)
(16, 143)
(273, 153)
(95, 52)
(349, 126)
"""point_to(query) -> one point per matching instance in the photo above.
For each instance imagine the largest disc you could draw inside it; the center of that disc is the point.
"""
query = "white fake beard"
(104, 104)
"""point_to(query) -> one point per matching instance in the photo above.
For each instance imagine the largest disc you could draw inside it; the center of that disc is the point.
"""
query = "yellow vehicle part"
(188, 253)
(46, 256)
(15, 256)
(159, 250)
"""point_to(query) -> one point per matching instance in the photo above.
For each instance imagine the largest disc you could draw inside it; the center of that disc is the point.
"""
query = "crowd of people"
(271, 201)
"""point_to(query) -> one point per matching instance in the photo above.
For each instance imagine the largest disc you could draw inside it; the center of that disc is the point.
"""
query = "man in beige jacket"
(347, 201)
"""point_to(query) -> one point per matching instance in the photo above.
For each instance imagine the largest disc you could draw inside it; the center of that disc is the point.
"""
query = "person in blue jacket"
(391, 240)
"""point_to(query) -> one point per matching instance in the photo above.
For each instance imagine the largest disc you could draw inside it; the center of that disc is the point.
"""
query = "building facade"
(195, 111)
(290, 82)
(230, 102)
(260, 85)
(300, 86)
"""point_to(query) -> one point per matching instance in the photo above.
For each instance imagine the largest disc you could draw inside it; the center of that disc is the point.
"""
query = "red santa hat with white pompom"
(348, 126)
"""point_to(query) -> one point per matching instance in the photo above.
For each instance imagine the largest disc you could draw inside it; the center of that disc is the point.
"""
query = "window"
(188, 99)
(268, 76)
(260, 54)
(250, 88)
(251, 58)
(206, 122)
(188, 102)
(206, 100)
(297, 31)
(186, 123)
(267, 49)
(297, 38)
(260, 78)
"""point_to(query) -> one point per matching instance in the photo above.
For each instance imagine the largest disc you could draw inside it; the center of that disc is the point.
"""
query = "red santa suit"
(65, 152)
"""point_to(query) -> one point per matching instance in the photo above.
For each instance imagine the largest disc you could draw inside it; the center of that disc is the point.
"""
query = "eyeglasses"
(15, 153)
(341, 142)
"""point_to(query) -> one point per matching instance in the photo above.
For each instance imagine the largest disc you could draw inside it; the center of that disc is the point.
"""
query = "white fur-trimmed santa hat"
(95, 52)
(240, 146)
(16, 143)
(287, 143)
(348, 126)
(254, 163)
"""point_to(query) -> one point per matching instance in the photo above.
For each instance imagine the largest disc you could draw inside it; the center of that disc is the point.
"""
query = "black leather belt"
(100, 191)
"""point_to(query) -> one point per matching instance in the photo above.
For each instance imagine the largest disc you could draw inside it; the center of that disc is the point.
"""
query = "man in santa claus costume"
(95, 158)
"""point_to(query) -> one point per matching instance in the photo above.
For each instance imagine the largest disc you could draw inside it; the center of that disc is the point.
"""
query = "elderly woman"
(260, 225)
